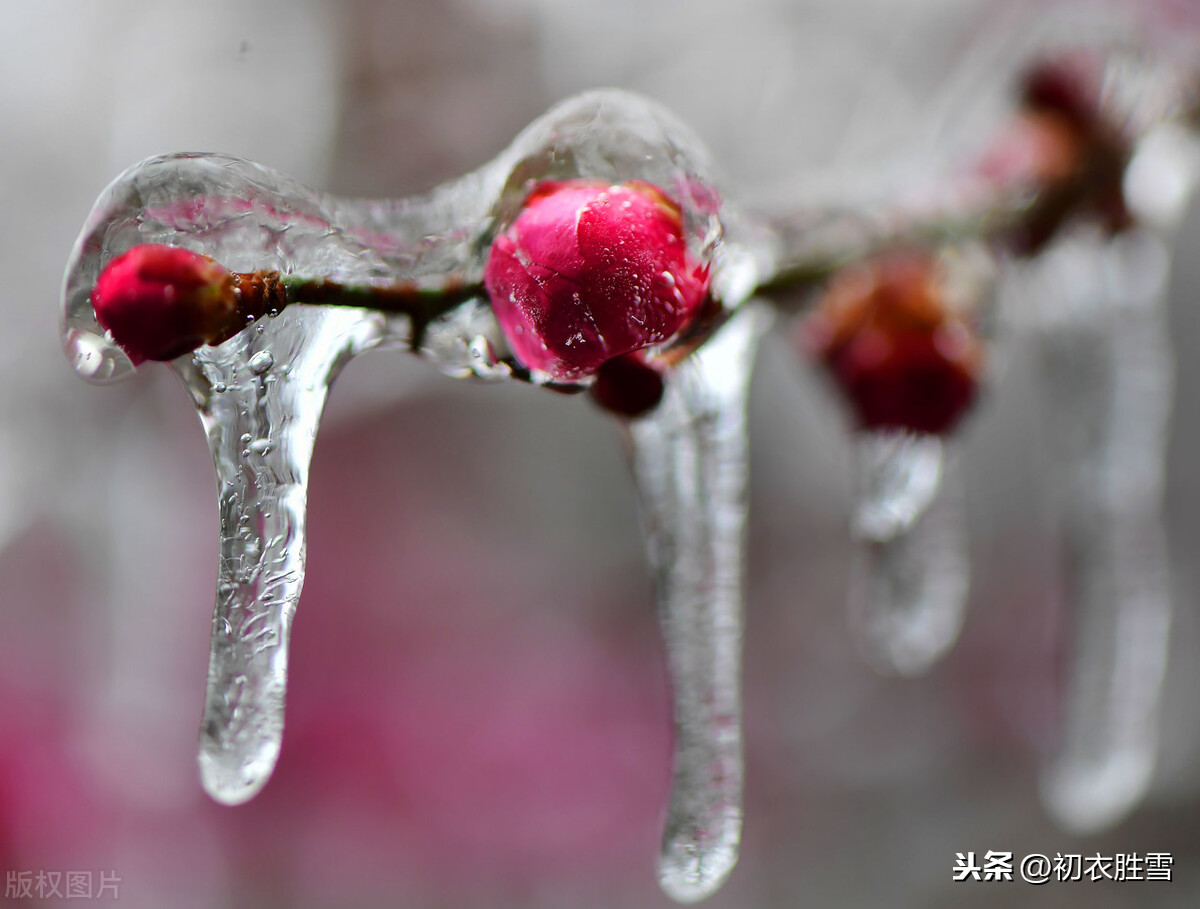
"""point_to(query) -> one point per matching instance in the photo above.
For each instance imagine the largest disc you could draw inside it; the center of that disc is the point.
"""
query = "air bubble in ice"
(261, 362)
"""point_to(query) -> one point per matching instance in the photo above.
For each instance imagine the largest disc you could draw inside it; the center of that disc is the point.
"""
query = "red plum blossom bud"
(159, 302)
(903, 358)
(589, 271)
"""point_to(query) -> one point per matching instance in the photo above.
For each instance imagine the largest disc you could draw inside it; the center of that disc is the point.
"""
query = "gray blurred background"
(479, 712)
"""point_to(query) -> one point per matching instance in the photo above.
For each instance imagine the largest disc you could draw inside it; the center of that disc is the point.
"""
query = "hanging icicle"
(691, 464)
(595, 254)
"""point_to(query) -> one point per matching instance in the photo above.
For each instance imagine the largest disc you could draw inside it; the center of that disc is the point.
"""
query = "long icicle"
(260, 397)
(1109, 377)
(690, 460)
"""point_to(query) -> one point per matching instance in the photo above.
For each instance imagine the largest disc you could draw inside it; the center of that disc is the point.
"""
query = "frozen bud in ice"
(904, 357)
(589, 271)
(159, 302)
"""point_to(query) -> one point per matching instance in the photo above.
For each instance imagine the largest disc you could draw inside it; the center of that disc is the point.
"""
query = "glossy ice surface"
(260, 397)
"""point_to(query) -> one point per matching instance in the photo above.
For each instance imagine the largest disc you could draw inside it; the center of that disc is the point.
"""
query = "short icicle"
(690, 460)
(260, 397)
(909, 588)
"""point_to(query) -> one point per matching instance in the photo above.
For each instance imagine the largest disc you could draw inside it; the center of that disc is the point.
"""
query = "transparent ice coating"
(260, 397)
(261, 393)
(690, 461)
(246, 217)
(909, 587)
(1107, 370)
(249, 217)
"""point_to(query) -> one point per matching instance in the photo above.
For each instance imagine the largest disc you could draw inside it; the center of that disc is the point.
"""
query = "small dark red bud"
(627, 386)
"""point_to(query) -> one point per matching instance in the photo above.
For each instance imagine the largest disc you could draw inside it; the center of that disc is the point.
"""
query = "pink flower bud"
(159, 302)
(589, 271)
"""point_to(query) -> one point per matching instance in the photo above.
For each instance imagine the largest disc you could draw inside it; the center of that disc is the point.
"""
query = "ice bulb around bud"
(589, 271)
